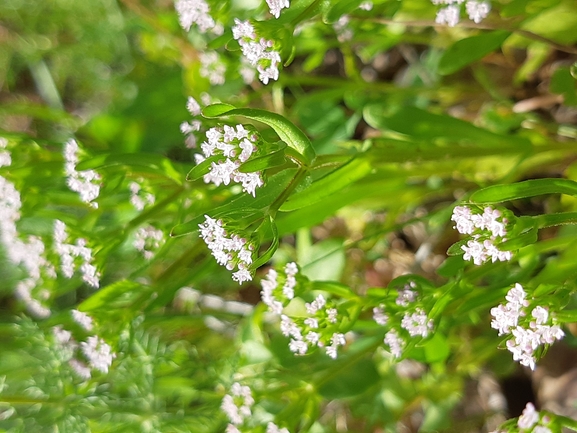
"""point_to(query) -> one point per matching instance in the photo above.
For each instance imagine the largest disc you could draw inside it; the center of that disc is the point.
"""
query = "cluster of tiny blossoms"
(531, 421)
(212, 67)
(147, 240)
(98, 355)
(526, 340)
(450, 12)
(196, 12)
(231, 252)
(70, 252)
(29, 255)
(236, 145)
(189, 128)
(275, 6)
(237, 407)
(138, 198)
(486, 229)
(258, 52)
(414, 320)
(87, 182)
(316, 329)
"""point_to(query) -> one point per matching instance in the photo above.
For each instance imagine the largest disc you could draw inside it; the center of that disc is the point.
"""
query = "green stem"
(567, 422)
(274, 207)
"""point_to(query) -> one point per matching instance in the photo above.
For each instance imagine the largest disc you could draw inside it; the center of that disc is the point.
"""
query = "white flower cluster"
(531, 420)
(138, 198)
(29, 255)
(314, 330)
(236, 145)
(189, 128)
(231, 252)
(97, 353)
(450, 12)
(212, 67)
(486, 229)
(237, 407)
(87, 182)
(275, 6)
(70, 252)
(237, 404)
(258, 52)
(526, 340)
(196, 12)
(342, 29)
(147, 240)
(414, 320)
(273, 289)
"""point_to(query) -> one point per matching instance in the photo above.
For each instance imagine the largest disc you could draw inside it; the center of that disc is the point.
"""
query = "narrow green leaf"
(468, 50)
(528, 188)
(270, 225)
(334, 288)
(109, 295)
(287, 131)
(201, 169)
(336, 180)
(260, 163)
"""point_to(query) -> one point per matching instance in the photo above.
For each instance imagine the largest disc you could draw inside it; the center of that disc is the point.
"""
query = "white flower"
(228, 251)
(379, 315)
(212, 67)
(87, 182)
(80, 369)
(366, 6)
(394, 342)
(477, 10)
(258, 53)
(195, 12)
(273, 428)
(147, 240)
(448, 15)
(193, 106)
(417, 323)
(82, 319)
(98, 353)
(529, 417)
(275, 6)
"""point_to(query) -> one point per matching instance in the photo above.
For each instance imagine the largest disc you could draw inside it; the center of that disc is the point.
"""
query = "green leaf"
(436, 348)
(287, 131)
(336, 180)
(157, 163)
(563, 83)
(422, 124)
(243, 206)
(334, 288)
(528, 188)
(267, 225)
(260, 163)
(203, 168)
(110, 296)
(466, 51)
(353, 380)
(339, 9)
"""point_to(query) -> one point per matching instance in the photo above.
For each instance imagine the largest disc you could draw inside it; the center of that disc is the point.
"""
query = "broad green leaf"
(528, 188)
(353, 380)
(563, 83)
(436, 348)
(468, 50)
(287, 131)
(415, 122)
(336, 180)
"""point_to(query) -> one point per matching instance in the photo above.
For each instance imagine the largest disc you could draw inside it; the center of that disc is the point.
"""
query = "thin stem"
(274, 207)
